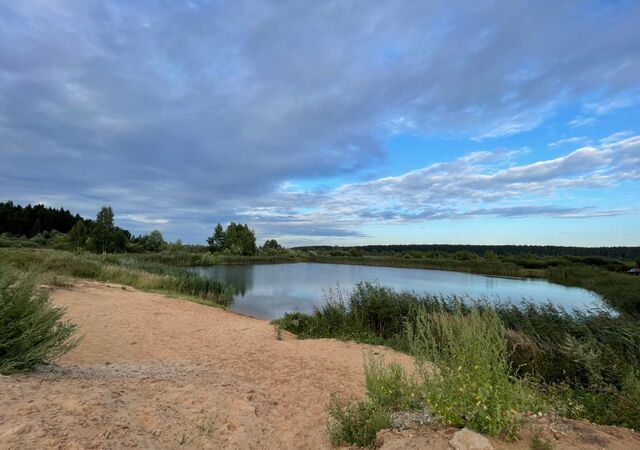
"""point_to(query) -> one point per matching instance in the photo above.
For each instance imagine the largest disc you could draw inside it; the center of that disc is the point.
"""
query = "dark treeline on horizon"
(628, 253)
(31, 220)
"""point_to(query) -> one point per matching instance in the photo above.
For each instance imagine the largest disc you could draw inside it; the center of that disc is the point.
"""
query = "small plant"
(31, 327)
(541, 443)
(389, 386)
(356, 423)
(278, 331)
(470, 385)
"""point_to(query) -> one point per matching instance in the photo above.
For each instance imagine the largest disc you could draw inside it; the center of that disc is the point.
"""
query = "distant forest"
(32, 220)
(627, 253)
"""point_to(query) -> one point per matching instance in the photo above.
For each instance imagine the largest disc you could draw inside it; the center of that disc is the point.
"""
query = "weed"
(540, 443)
(31, 327)
(389, 386)
(356, 423)
(470, 385)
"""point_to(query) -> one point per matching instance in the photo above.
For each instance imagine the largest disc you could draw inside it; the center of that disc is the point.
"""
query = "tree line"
(59, 228)
(627, 253)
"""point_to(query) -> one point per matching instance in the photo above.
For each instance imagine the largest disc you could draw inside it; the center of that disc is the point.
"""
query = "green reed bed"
(148, 276)
(587, 364)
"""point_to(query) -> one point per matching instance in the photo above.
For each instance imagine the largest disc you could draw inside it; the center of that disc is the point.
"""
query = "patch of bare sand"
(154, 372)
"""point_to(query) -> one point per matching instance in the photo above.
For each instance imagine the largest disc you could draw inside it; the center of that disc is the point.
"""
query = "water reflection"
(268, 291)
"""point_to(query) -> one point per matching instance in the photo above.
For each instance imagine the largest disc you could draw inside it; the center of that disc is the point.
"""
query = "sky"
(329, 123)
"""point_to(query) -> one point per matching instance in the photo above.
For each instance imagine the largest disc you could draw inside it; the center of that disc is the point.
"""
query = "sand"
(154, 372)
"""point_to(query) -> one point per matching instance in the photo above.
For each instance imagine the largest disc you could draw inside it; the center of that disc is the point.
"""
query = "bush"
(356, 423)
(470, 383)
(389, 386)
(31, 327)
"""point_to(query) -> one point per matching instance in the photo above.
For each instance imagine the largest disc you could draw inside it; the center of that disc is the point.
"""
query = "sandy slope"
(153, 372)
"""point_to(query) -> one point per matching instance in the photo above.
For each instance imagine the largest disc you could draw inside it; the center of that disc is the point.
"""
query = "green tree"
(239, 240)
(271, 244)
(154, 242)
(216, 241)
(118, 240)
(78, 234)
(103, 228)
(490, 255)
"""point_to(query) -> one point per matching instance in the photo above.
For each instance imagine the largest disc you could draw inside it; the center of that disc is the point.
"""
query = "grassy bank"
(140, 274)
(587, 364)
(480, 266)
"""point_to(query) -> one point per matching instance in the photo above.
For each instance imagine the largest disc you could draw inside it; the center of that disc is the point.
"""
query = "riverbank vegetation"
(121, 269)
(578, 364)
(32, 330)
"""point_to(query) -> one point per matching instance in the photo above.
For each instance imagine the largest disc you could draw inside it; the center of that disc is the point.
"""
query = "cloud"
(477, 184)
(571, 140)
(196, 112)
(143, 219)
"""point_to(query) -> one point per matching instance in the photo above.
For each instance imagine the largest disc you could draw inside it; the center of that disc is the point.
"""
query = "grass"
(148, 276)
(540, 443)
(470, 383)
(586, 363)
(31, 327)
(389, 386)
(356, 423)
(480, 266)
(620, 290)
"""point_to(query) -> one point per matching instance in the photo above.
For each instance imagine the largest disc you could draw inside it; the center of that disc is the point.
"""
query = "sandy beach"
(155, 372)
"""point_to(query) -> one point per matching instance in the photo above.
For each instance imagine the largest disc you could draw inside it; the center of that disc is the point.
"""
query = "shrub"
(540, 443)
(31, 327)
(389, 386)
(470, 383)
(356, 423)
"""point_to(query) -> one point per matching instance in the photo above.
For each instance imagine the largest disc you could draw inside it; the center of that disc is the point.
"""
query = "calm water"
(268, 291)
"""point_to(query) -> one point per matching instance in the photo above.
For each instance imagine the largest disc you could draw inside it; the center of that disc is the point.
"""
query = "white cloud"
(581, 121)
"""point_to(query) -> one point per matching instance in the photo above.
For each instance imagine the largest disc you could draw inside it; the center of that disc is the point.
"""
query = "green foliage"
(153, 242)
(619, 290)
(236, 240)
(216, 241)
(469, 384)
(102, 231)
(146, 275)
(271, 244)
(239, 240)
(540, 443)
(389, 386)
(31, 327)
(78, 235)
(356, 423)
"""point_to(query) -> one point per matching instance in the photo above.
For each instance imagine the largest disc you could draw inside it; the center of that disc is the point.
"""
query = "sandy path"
(153, 372)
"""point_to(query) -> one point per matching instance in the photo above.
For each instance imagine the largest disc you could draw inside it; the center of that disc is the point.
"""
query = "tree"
(78, 234)
(103, 228)
(238, 239)
(154, 242)
(216, 241)
(271, 244)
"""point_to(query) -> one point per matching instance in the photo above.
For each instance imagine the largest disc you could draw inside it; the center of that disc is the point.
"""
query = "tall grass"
(31, 327)
(620, 290)
(498, 268)
(468, 382)
(141, 275)
(595, 355)
(355, 423)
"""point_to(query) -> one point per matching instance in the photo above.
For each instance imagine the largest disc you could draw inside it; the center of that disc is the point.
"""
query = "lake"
(268, 291)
